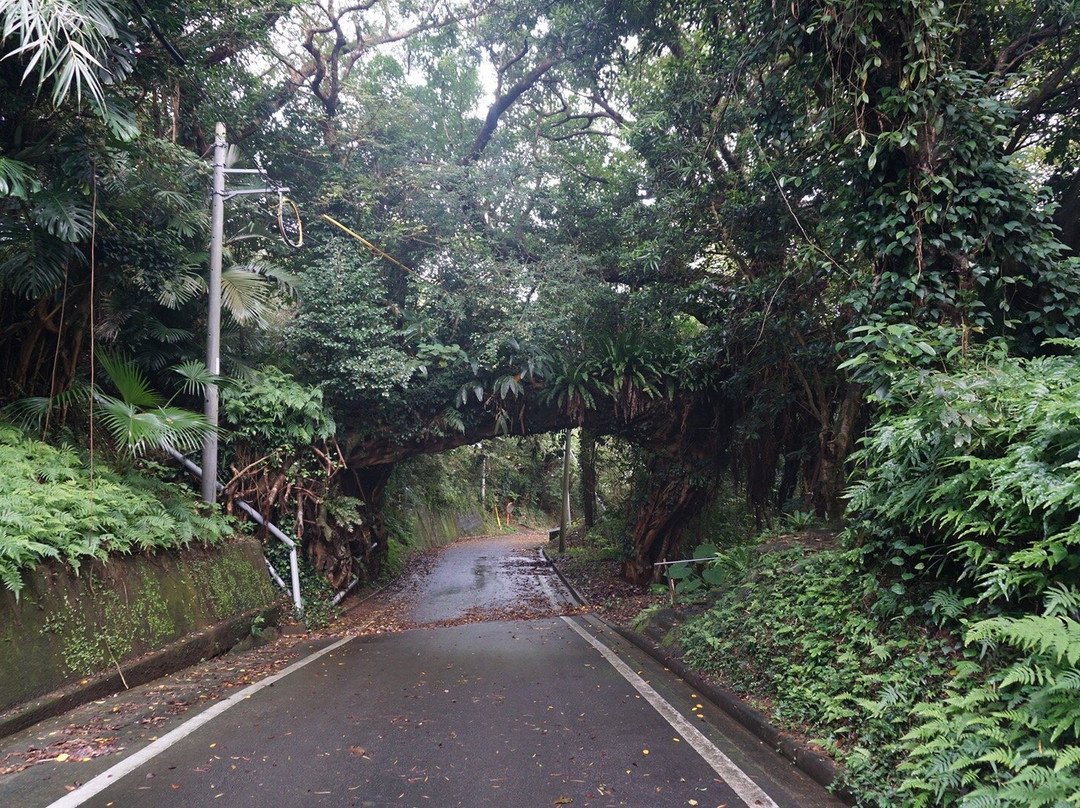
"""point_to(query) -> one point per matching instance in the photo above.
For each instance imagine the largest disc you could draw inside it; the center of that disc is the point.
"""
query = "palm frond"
(30, 413)
(121, 421)
(196, 377)
(286, 281)
(182, 287)
(244, 293)
(184, 429)
(130, 381)
(170, 335)
(138, 430)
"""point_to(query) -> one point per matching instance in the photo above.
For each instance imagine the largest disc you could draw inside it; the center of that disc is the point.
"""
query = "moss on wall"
(67, 626)
(426, 527)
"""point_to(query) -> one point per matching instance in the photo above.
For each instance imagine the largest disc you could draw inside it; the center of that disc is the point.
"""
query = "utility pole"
(213, 316)
(213, 309)
(483, 476)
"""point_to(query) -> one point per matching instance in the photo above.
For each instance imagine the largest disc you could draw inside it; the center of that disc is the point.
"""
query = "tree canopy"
(708, 228)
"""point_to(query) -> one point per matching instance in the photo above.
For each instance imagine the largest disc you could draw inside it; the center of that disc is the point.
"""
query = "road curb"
(573, 590)
(185, 652)
(817, 766)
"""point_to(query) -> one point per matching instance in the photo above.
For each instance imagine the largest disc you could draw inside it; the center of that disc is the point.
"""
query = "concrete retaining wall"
(434, 528)
(67, 627)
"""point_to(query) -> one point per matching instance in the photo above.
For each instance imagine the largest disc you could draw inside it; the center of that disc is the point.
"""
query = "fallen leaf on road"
(563, 801)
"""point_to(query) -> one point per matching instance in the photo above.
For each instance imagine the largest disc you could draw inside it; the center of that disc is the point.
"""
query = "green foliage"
(273, 412)
(823, 659)
(885, 354)
(599, 544)
(427, 495)
(727, 521)
(979, 465)
(343, 336)
(81, 46)
(527, 471)
(140, 419)
(972, 475)
(52, 506)
(17, 179)
(637, 362)
(1010, 738)
(575, 388)
(446, 483)
(708, 567)
(799, 520)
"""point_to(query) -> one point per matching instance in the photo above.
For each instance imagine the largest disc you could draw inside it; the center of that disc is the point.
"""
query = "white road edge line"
(125, 767)
(739, 782)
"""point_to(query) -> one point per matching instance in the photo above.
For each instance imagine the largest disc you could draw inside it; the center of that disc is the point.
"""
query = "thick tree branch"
(1032, 106)
(329, 64)
(612, 113)
(501, 105)
(1014, 54)
(231, 47)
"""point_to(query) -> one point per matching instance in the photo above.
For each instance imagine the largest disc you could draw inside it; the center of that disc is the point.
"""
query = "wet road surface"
(498, 697)
(488, 578)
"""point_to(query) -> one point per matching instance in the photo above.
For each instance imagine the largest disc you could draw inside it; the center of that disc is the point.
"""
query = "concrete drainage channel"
(814, 764)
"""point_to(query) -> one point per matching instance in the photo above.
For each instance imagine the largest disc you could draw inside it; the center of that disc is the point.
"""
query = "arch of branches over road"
(687, 438)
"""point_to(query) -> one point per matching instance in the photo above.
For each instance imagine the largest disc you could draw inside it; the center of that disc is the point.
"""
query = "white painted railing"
(294, 568)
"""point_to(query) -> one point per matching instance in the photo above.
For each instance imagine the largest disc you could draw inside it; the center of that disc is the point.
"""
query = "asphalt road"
(467, 709)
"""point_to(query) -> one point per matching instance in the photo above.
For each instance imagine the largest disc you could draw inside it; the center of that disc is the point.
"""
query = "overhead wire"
(173, 52)
(382, 253)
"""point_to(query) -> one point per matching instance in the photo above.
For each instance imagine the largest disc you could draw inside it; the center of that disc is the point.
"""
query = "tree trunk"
(362, 550)
(835, 440)
(564, 521)
(587, 461)
(673, 500)
(676, 495)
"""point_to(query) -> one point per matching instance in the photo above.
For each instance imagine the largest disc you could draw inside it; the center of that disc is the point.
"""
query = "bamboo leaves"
(68, 43)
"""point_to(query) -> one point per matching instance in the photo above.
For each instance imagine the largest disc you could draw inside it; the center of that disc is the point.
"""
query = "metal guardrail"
(671, 581)
(294, 567)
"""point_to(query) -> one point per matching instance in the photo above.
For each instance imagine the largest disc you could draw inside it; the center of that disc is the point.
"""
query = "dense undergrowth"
(827, 655)
(53, 505)
(936, 651)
